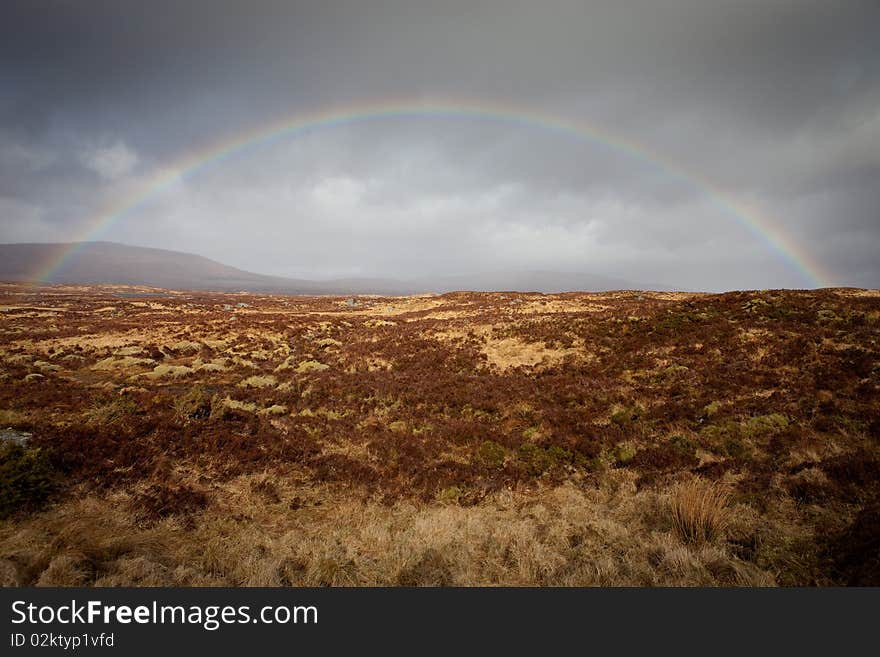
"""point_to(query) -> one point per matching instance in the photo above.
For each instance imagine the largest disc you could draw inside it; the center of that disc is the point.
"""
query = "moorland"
(161, 437)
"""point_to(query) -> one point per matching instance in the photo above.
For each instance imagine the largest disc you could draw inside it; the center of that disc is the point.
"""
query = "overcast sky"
(775, 102)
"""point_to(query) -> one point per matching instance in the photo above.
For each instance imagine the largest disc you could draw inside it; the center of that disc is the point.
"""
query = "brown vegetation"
(616, 438)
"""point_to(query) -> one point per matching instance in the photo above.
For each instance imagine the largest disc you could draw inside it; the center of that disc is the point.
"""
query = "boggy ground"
(183, 438)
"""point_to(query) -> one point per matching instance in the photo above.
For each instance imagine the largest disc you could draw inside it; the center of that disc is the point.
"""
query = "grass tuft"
(699, 510)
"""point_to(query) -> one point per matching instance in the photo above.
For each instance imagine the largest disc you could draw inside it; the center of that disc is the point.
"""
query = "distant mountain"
(94, 263)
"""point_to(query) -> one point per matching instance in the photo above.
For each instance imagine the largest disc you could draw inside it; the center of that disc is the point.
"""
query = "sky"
(698, 144)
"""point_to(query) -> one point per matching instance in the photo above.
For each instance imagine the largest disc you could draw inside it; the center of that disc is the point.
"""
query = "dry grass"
(511, 352)
(258, 382)
(700, 510)
(167, 371)
(262, 531)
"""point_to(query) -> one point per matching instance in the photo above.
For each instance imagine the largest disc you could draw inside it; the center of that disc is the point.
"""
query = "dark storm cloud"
(774, 101)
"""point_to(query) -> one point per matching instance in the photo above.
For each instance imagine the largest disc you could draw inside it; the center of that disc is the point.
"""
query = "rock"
(14, 436)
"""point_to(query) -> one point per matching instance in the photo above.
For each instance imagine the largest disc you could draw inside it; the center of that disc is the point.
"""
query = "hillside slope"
(95, 263)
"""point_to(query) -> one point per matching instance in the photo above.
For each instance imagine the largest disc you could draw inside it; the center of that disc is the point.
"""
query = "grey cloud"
(771, 103)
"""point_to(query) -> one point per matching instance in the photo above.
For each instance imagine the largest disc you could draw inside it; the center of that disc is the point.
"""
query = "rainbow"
(775, 239)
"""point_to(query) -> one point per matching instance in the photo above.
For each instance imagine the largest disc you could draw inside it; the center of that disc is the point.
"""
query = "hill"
(95, 263)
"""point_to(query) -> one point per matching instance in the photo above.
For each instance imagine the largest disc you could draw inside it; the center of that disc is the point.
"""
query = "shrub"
(26, 479)
(699, 510)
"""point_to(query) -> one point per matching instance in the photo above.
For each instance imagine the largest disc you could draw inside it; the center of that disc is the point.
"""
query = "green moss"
(826, 315)
(764, 424)
(449, 495)
(624, 453)
(672, 322)
(671, 371)
(683, 444)
(734, 448)
(559, 454)
(534, 459)
(712, 408)
(720, 431)
(471, 413)
(595, 464)
(194, 405)
(755, 305)
(727, 439)
(26, 479)
(490, 455)
(626, 416)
